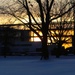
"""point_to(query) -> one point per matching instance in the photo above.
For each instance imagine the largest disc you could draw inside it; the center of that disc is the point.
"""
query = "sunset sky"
(4, 19)
(5, 2)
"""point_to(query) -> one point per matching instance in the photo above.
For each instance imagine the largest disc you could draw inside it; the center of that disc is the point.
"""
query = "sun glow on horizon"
(36, 38)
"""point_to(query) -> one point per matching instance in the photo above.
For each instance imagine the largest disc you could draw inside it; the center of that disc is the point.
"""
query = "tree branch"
(60, 15)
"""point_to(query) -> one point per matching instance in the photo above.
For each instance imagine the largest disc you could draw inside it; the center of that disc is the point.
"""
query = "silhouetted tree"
(61, 29)
(5, 41)
(7, 36)
(73, 38)
(27, 11)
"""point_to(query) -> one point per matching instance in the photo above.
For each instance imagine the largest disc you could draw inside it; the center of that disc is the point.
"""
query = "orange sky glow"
(4, 19)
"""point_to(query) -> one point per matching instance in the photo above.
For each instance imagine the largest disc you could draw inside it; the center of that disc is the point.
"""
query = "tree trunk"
(45, 53)
(58, 51)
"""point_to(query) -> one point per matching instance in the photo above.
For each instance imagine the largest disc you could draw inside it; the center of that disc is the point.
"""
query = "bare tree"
(60, 32)
(73, 39)
(39, 14)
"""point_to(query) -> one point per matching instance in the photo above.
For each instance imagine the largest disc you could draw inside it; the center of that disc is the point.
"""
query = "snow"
(32, 65)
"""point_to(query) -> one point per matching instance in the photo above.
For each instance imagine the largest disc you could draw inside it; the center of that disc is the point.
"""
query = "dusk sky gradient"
(5, 2)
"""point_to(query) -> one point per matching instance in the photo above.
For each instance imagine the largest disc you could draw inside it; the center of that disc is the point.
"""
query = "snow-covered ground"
(20, 65)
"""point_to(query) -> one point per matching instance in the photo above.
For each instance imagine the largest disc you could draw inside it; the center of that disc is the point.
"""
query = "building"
(21, 39)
